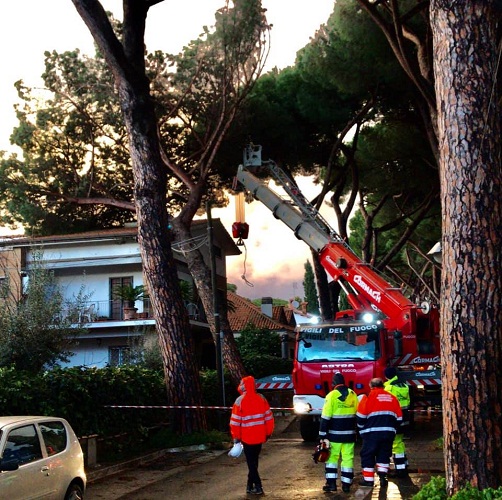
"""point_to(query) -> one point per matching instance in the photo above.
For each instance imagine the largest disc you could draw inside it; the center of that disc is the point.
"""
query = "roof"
(129, 231)
(243, 312)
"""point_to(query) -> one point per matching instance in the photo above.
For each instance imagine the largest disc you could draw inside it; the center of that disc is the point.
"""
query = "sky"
(273, 259)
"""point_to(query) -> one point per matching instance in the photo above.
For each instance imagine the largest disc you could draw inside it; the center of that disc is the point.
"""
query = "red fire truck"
(382, 328)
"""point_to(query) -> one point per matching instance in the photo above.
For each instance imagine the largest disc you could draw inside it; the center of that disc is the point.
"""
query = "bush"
(435, 489)
(81, 395)
(260, 350)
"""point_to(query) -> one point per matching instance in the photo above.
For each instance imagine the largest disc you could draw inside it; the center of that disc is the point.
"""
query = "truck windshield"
(338, 344)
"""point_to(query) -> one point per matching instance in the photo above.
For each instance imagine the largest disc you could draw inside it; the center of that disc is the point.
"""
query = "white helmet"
(236, 450)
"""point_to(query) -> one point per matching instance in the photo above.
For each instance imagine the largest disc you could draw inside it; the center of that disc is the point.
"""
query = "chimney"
(266, 306)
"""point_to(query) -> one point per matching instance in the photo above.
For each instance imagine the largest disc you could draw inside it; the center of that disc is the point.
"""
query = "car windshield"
(344, 343)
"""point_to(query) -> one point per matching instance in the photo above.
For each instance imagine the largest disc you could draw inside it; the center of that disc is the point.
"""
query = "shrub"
(435, 489)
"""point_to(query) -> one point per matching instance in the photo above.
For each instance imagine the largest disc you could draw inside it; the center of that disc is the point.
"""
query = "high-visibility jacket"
(338, 418)
(379, 412)
(402, 392)
(252, 421)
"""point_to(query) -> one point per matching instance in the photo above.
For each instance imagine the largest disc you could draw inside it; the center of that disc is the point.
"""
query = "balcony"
(99, 311)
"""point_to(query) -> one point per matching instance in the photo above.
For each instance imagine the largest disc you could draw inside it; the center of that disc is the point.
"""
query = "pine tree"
(310, 290)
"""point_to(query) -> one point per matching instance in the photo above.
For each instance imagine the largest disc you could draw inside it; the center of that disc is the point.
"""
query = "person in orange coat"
(251, 423)
(378, 416)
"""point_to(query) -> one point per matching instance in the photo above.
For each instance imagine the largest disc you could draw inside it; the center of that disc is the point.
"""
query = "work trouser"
(376, 452)
(252, 454)
(399, 453)
(345, 452)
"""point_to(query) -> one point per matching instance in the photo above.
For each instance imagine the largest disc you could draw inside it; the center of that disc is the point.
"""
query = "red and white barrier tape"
(171, 407)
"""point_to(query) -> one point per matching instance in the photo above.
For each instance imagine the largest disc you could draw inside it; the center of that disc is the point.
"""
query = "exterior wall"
(84, 264)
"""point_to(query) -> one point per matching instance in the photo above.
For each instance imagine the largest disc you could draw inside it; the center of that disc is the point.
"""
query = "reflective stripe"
(384, 412)
(347, 415)
(378, 429)
(252, 424)
(253, 417)
(334, 433)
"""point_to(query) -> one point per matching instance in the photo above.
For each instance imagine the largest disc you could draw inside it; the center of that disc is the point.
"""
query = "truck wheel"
(309, 429)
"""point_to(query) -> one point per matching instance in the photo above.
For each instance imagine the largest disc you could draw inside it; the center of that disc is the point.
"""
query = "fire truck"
(383, 327)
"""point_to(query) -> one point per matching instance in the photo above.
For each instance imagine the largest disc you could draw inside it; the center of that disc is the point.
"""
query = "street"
(286, 467)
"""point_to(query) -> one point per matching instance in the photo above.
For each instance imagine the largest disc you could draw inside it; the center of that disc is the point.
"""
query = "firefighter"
(379, 415)
(338, 427)
(251, 423)
(402, 393)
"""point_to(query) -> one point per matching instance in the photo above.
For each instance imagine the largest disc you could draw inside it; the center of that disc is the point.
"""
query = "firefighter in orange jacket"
(378, 417)
(251, 423)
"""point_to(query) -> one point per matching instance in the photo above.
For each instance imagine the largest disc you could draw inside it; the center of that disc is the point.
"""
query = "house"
(98, 263)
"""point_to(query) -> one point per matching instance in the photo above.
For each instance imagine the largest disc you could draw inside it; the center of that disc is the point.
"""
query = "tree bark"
(465, 63)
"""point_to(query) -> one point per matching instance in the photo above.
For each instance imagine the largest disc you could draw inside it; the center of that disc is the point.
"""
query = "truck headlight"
(302, 407)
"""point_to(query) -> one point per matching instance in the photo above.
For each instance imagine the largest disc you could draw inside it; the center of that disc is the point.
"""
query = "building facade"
(97, 265)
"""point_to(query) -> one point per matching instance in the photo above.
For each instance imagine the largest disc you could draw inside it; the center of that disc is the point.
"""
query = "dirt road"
(286, 467)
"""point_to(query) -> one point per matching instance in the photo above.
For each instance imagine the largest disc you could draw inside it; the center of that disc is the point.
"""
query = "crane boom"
(405, 335)
(367, 289)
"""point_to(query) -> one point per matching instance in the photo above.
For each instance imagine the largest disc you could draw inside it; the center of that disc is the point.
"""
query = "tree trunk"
(126, 61)
(159, 268)
(465, 63)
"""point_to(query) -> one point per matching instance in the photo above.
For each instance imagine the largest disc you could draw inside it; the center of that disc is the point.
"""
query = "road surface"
(286, 468)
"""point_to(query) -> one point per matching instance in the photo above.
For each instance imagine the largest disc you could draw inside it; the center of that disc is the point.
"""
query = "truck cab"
(355, 348)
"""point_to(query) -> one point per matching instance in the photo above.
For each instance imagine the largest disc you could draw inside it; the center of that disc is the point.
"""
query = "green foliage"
(73, 147)
(258, 341)
(34, 332)
(129, 293)
(75, 144)
(435, 489)
(81, 395)
(310, 290)
(275, 302)
(260, 350)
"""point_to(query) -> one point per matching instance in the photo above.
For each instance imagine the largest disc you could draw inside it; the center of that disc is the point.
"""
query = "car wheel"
(74, 492)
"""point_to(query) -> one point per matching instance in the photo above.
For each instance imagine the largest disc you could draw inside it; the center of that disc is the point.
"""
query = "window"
(23, 445)
(120, 355)
(116, 303)
(55, 437)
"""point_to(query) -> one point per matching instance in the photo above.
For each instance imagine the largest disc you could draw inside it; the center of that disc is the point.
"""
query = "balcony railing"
(113, 310)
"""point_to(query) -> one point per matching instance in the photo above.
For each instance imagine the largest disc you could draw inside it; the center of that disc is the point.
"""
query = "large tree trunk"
(465, 63)
(126, 61)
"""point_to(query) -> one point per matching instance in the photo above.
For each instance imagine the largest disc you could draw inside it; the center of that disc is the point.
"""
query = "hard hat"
(236, 450)
(321, 453)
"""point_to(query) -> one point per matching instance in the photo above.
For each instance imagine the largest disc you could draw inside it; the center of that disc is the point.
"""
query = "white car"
(40, 457)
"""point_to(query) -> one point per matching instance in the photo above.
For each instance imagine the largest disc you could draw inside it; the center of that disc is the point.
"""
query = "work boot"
(384, 482)
(346, 487)
(363, 482)
(330, 485)
(256, 490)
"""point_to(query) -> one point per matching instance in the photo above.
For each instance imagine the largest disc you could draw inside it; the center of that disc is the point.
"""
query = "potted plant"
(129, 295)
